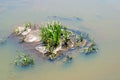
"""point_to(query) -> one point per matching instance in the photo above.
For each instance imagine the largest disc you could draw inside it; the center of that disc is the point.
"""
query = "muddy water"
(100, 18)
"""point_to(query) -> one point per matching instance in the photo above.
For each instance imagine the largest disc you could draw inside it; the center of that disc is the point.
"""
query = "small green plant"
(54, 34)
(91, 48)
(17, 31)
(52, 56)
(24, 60)
(23, 28)
(65, 36)
(79, 40)
(28, 25)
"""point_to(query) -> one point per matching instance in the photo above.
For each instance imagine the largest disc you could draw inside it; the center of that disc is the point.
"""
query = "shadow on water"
(3, 41)
(24, 68)
(68, 64)
(75, 19)
(89, 56)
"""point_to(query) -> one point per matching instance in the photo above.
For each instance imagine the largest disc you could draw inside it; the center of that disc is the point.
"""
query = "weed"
(51, 35)
(24, 60)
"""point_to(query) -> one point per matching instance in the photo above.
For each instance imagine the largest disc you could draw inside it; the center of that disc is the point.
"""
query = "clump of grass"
(51, 34)
(24, 60)
(54, 35)
(92, 48)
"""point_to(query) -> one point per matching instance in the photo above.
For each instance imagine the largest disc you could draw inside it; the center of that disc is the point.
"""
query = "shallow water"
(100, 18)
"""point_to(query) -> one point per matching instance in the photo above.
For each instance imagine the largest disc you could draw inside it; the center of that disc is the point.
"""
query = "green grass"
(54, 34)
(23, 60)
(51, 34)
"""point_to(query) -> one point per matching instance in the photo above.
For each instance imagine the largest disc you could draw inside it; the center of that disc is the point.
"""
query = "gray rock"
(90, 44)
(84, 42)
(57, 50)
(41, 49)
(33, 36)
(70, 44)
(18, 30)
(26, 32)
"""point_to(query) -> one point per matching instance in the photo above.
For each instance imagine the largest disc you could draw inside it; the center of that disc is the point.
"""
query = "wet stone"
(42, 49)
(26, 32)
(33, 36)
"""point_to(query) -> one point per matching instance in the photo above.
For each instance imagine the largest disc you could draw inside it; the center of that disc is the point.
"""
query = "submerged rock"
(33, 36)
(90, 44)
(67, 59)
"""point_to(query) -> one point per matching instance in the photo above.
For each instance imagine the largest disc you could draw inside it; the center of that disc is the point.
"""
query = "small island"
(54, 39)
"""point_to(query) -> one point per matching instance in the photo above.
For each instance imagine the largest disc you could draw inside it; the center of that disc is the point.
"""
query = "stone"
(70, 44)
(83, 43)
(41, 49)
(33, 36)
(26, 32)
(90, 44)
(19, 29)
(57, 50)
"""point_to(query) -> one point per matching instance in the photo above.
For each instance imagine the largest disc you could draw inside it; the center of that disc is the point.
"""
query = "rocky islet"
(31, 33)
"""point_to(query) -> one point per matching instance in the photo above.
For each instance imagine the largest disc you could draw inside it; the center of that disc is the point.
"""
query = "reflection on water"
(100, 18)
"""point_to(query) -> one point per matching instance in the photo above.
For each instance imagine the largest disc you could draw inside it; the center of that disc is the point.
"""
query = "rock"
(19, 29)
(26, 32)
(33, 36)
(70, 44)
(83, 43)
(90, 44)
(41, 49)
(57, 50)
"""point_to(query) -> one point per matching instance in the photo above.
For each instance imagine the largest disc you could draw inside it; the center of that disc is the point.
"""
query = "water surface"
(100, 18)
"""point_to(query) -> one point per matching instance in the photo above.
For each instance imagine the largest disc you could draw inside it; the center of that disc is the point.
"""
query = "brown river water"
(99, 18)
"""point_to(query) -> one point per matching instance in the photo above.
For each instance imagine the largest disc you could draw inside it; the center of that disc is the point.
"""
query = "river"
(99, 18)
